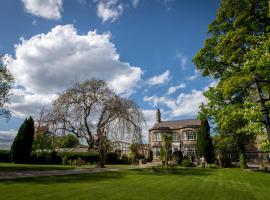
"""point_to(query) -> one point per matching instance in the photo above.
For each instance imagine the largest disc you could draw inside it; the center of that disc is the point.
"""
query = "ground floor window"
(156, 151)
(190, 151)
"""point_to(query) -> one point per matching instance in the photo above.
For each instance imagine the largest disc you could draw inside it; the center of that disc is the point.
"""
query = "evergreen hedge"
(4, 156)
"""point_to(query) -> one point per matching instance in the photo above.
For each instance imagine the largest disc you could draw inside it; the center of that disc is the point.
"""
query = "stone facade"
(184, 134)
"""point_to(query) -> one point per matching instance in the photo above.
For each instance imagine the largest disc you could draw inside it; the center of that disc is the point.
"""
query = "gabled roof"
(176, 124)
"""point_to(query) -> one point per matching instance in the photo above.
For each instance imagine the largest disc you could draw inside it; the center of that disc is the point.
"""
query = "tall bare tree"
(93, 112)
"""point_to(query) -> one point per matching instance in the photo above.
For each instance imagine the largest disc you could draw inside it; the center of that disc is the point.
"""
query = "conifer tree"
(22, 144)
(204, 141)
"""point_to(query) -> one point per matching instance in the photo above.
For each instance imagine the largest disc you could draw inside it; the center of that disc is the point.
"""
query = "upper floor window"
(175, 137)
(190, 135)
(157, 137)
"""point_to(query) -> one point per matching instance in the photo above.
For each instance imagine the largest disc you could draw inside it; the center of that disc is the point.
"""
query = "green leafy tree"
(204, 141)
(6, 81)
(237, 49)
(68, 141)
(224, 143)
(22, 144)
(166, 147)
(43, 142)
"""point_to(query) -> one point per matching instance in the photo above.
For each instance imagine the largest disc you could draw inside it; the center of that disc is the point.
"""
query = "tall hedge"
(22, 145)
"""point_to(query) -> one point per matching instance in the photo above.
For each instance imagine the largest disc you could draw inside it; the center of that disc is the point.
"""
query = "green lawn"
(192, 184)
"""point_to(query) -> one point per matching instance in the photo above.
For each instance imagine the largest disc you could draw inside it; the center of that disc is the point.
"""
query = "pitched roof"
(176, 124)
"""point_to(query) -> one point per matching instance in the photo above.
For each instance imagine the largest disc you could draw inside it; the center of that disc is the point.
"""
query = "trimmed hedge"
(4, 156)
(112, 158)
(45, 158)
(66, 157)
(88, 157)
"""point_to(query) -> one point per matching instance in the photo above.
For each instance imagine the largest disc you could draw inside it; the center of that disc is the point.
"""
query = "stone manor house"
(184, 134)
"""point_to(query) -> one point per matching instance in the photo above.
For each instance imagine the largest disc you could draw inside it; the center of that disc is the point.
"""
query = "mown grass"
(185, 184)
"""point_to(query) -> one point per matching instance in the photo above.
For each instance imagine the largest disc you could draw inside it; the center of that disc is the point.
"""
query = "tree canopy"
(236, 50)
(6, 81)
(94, 113)
(22, 145)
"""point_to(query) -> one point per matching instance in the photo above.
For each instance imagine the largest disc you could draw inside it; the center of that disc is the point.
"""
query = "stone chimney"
(158, 116)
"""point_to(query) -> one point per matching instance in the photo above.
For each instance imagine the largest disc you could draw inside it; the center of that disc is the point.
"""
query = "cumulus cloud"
(186, 104)
(173, 89)
(46, 64)
(6, 138)
(109, 10)
(160, 79)
(49, 9)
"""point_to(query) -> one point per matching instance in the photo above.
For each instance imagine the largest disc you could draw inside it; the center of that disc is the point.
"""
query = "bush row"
(66, 158)
(4, 156)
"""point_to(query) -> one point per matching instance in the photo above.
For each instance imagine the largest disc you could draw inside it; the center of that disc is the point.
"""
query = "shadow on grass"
(23, 169)
(78, 178)
(12, 167)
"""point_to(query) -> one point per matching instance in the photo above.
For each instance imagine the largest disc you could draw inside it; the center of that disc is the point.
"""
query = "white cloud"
(160, 79)
(28, 104)
(173, 89)
(150, 119)
(109, 10)
(194, 76)
(186, 104)
(6, 138)
(46, 64)
(135, 3)
(182, 59)
(49, 9)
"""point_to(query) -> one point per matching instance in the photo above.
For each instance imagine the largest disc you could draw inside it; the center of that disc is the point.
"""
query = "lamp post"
(261, 87)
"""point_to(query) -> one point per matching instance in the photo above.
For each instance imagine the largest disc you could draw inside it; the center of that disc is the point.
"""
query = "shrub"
(178, 157)
(64, 160)
(212, 166)
(124, 160)
(243, 162)
(187, 163)
(4, 156)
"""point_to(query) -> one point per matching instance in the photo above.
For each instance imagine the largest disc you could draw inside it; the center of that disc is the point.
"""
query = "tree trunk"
(101, 158)
(101, 150)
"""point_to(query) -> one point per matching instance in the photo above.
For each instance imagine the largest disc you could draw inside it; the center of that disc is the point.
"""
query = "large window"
(190, 135)
(175, 137)
(190, 151)
(157, 137)
(156, 151)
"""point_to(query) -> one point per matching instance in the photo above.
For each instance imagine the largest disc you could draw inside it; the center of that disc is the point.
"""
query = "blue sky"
(143, 49)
